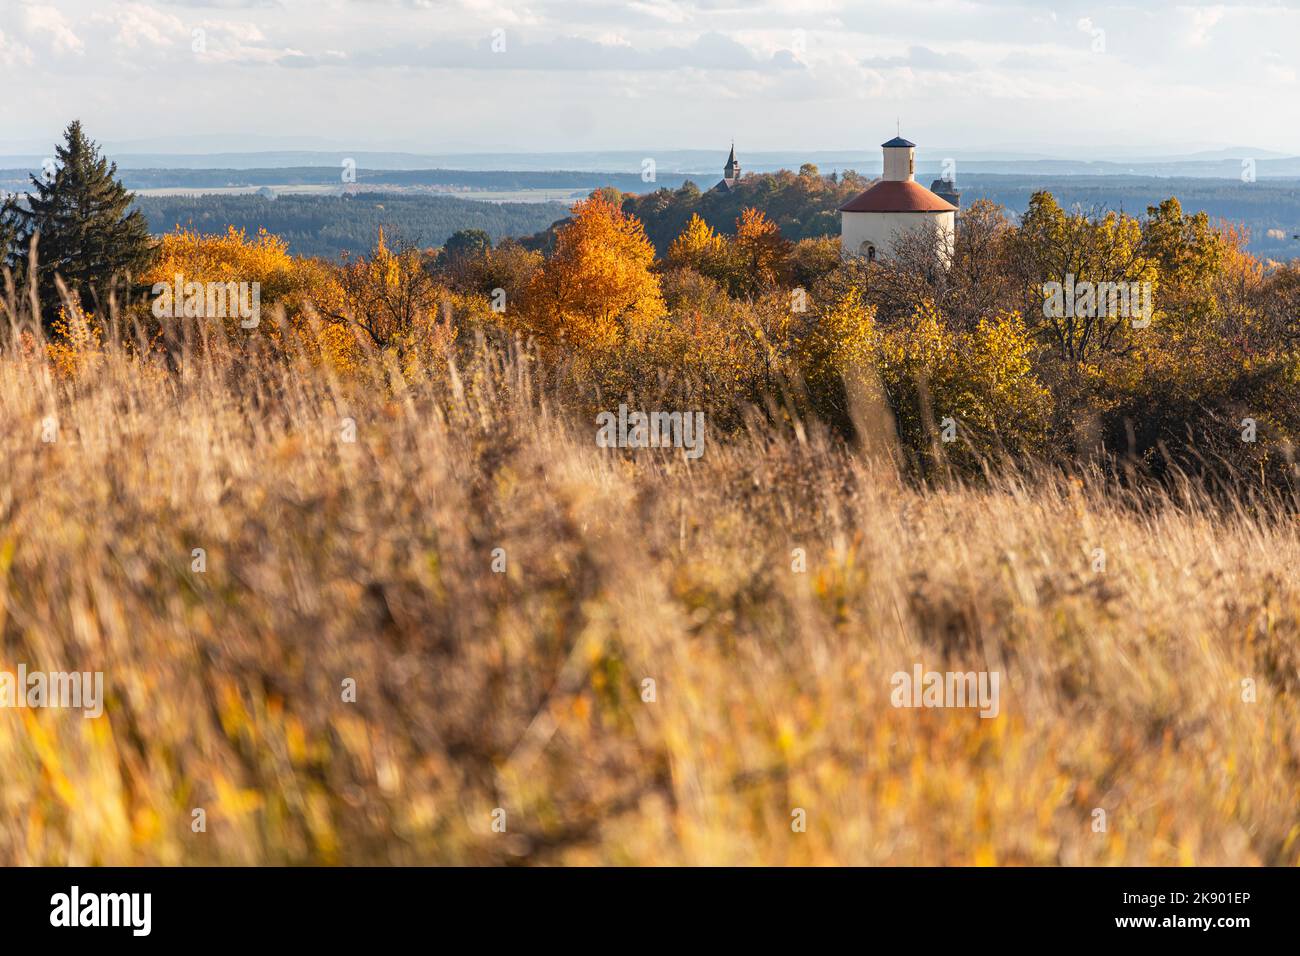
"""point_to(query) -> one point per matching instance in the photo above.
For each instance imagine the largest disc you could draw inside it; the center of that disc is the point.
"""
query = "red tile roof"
(897, 196)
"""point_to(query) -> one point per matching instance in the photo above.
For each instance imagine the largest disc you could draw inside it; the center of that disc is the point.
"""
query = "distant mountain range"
(326, 179)
(706, 165)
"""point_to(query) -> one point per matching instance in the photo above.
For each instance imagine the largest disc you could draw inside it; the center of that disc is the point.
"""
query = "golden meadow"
(353, 466)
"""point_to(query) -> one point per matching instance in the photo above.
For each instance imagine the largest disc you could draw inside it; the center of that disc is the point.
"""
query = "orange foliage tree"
(759, 255)
(598, 287)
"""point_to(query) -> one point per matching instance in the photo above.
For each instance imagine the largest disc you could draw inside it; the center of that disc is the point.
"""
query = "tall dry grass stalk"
(372, 560)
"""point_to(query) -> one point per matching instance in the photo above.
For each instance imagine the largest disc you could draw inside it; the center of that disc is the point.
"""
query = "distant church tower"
(946, 190)
(730, 172)
(896, 204)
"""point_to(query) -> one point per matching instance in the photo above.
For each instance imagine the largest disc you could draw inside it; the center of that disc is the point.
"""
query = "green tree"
(459, 262)
(86, 232)
(1053, 246)
(1190, 255)
(465, 244)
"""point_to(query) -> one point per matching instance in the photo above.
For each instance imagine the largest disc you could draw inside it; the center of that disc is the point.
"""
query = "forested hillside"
(804, 204)
(1269, 209)
(329, 225)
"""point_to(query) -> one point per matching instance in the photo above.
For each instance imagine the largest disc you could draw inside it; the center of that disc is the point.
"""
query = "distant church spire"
(731, 171)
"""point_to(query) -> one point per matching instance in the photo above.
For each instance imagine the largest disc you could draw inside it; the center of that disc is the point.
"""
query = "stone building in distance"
(896, 204)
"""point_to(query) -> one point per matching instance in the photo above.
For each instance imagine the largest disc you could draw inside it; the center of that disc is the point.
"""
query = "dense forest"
(1269, 209)
(326, 226)
(451, 178)
(803, 205)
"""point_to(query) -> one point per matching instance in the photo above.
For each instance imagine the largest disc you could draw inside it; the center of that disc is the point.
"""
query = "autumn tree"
(235, 256)
(509, 268)
(836, 356)
(597, 288)
(1279, 298)
(1189, 254)
(1052, 246)
(804, 205)
(978, 280)
(388, 294)
(983, 382)
(758, 254)
(699, 248)
(971, 284)
(465, 243)
(285, 282)
(459, 258)
(813, 259)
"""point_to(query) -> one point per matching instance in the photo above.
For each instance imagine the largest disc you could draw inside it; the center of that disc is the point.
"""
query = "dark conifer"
(87, 232)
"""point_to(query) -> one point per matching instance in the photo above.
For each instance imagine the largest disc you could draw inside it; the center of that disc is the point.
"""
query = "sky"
(1066, 78)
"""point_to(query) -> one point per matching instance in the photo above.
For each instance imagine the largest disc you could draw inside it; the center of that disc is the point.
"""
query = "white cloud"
(1203, 22)
(46, 24)
(709, 51)
(1278, 70)
(923, 58)
(669, 11)
(828, 73)
(136, 26)
(13, 53)
(235, 42)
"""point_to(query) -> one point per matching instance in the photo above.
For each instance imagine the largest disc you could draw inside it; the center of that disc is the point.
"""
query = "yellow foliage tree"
(390, 296)
(284, 279)
(302, 287)
(698, 247)
(76, 343)
(837, 355)
(979, 386)
(1053, 246)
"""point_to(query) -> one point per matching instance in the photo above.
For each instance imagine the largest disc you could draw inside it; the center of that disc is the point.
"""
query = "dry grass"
(476, 690)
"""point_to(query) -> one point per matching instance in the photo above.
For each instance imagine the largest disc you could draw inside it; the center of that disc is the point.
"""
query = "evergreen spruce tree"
(88, 234)
(10, 230)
